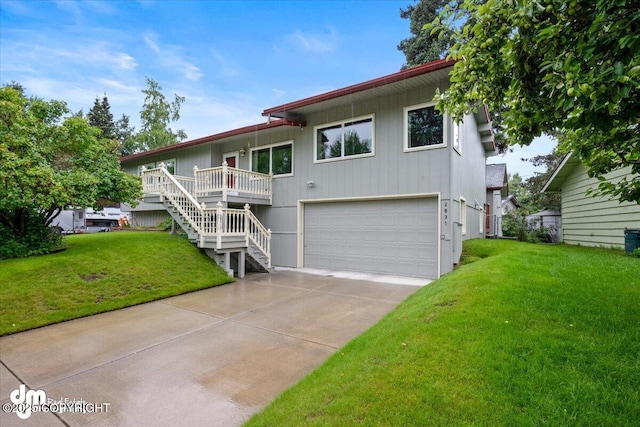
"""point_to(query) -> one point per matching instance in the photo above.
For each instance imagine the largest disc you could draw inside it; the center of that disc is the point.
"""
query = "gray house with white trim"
(368, 178)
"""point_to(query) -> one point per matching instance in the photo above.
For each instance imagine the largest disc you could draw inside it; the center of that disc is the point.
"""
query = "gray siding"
(148, 218)
(595, 221)
(468, 177)
(391, 171)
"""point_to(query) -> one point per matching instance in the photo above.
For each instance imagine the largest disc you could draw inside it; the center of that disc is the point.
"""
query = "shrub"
(514, 225)
(38, 240)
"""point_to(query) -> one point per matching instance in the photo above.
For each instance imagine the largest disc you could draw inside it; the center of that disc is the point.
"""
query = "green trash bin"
(631, 240)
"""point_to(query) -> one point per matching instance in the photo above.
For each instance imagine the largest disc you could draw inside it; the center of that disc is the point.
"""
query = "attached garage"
(385, 236)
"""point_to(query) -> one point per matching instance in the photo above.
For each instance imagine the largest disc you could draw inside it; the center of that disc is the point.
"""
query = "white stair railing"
(218, 222)
(258, 234)
(178, 197)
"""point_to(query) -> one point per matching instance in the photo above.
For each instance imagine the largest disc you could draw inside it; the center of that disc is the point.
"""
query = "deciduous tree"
(155, 117)
(568, 66)
(51, 161)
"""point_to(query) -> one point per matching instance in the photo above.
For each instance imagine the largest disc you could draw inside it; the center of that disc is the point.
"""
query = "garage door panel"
(396, 237)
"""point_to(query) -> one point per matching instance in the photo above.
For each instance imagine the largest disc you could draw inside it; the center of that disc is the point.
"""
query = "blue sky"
(229, 59)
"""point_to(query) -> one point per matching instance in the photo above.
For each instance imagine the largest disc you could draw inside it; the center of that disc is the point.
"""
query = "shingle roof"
(496, 176)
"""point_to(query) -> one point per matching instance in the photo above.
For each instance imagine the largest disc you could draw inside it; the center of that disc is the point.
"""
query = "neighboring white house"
(497, 188)
(368, 178)
(587, 220)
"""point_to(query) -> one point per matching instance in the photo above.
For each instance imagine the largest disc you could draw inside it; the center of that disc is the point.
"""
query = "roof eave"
(214, 138)
(285, 110)
(554, 183)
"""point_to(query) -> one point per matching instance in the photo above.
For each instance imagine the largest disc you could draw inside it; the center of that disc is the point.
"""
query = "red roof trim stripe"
(370, 84)
(213, 138)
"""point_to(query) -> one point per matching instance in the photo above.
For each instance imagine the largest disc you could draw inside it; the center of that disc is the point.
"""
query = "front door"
(232, 162)
(487, 228)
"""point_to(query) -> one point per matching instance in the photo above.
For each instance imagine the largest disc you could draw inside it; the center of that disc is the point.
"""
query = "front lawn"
(100, 272)
(520, 335)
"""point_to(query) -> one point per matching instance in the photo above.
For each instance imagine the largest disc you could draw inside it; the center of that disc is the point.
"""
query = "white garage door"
(394, 237)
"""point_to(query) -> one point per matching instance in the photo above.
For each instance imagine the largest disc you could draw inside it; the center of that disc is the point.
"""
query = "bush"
(165, 224)
(39, 240)
(514, 225)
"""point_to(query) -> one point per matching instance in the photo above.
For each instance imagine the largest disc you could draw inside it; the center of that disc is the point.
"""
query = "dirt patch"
(447, 303)
(92, 277)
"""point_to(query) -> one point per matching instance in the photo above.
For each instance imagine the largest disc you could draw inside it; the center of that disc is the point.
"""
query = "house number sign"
(445, 220)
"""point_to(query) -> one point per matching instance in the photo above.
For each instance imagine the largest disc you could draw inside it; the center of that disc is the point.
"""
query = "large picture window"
(423, 128)
(276, 159)
(344, 139)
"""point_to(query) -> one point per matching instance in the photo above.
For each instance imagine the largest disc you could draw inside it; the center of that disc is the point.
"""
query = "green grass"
(100, 272)
(520, 335)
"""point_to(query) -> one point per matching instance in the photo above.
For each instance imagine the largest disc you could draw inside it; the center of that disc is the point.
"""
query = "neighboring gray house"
(497, 189)
(587, 220)
(509, 204)
(549, 220)
(368, 178)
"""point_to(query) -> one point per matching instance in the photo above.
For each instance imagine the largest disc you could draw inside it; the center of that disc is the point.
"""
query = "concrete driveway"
(210, 358)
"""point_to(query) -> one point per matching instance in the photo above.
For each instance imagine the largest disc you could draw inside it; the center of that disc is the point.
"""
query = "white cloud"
(17, 7)
(278, 93)
(152, 44)
(171, 56)
(224, 67)
(70, 6)
(98, 53)
(314, 42)
(207, 115)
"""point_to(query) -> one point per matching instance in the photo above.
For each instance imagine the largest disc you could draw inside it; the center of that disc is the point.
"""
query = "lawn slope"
(520, 335)
(100, 272)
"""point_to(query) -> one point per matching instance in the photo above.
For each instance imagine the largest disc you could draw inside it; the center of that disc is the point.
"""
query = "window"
(423, 128)
(169, 164)
(463, 215)
(455, 137)
(353, 138)
(276, 159)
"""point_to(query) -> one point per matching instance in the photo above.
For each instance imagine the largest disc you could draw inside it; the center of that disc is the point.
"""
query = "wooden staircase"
(229, 236)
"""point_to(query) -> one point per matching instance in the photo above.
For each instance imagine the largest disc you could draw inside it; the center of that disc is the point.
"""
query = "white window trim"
(235, 154)
(342, 122)
(463, 215)
(270, 147)
(446, 119)
(455, 129)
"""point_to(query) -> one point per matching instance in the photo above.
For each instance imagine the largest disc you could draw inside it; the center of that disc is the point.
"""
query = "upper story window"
(276, 159)
(352, 138)
(423, 127)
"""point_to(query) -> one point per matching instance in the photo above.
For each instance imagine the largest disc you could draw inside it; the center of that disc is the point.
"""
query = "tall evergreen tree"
(125, 134)
(100, 116)
(422, 47)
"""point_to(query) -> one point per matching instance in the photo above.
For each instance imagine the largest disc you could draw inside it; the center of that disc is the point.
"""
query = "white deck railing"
(225, 179)
(206, 222)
